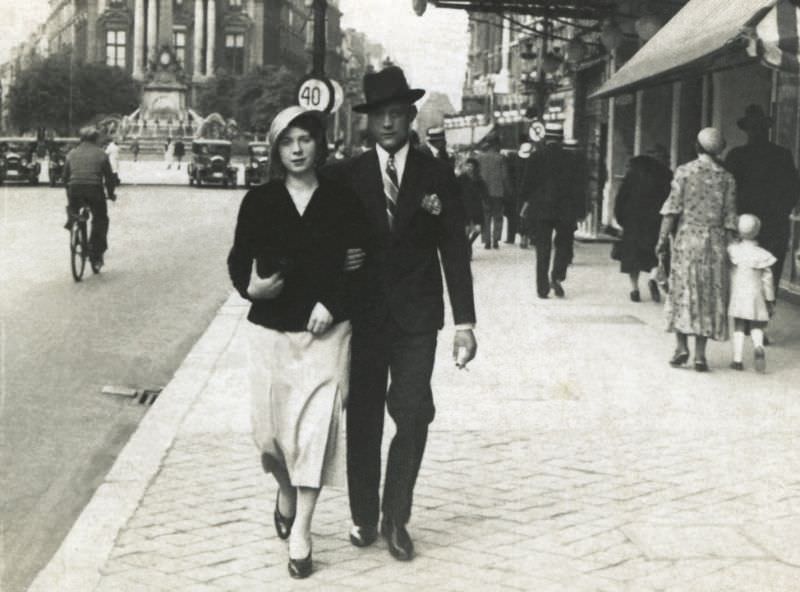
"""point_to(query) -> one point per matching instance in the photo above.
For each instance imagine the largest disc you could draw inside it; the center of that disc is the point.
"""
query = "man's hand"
(464, 347)
(354, 259)
(662, 247)
(771, 308)
(320, 319)
(264, 288)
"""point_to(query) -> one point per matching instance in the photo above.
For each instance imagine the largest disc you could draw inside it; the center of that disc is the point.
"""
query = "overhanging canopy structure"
(580, 9)
(703, 35)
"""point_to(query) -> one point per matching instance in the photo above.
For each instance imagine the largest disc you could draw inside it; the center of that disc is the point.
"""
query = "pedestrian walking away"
(169, 152)
(520, 220)
(135, 149)
(556, 180)
(86, 171)
(494, 171)
(112, 150)
(767, 184)
(637, 209)
(473, 194)
(701, 207)
(178, 152)
(287, 259)
(414, 214)
(436, 146)
(752, 291)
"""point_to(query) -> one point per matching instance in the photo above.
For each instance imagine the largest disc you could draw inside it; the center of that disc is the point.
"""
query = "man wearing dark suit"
(414, 216)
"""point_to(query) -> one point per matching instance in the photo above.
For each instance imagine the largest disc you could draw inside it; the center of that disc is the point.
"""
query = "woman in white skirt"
(287, 259)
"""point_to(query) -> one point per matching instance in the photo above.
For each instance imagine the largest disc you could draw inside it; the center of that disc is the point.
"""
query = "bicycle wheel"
(78, 248)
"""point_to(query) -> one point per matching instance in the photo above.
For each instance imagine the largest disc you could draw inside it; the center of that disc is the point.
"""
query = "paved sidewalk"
(569, 457)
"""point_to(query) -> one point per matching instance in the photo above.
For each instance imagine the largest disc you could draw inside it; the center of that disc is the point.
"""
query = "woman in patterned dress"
(701, 208)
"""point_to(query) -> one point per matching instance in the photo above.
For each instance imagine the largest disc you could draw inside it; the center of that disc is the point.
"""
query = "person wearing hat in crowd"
(436, 145)
(289, 245)
(473, 194)
(416, 227)
(494, 170)
(767, 184)
(516, 210)
(554, 185)
(701, 210)
(752, 291)
(86, 170)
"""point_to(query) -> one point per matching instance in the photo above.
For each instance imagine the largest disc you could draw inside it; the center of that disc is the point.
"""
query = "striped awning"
(703, 35)
(776, 37)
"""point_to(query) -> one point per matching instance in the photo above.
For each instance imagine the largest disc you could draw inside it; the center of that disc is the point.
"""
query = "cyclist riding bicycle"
(86, 170)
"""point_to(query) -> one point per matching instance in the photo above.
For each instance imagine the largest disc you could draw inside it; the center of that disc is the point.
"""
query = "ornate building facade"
(204, 35)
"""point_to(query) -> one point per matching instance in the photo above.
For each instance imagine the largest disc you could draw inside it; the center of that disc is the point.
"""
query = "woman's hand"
(266, 288)
(320, 319)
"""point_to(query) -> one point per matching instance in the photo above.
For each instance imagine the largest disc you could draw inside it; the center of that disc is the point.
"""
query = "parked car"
(257, 167)
(211, 163)
(59, 147)
(18, 160)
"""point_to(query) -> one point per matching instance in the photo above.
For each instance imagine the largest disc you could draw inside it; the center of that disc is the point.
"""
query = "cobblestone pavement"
(569, 457)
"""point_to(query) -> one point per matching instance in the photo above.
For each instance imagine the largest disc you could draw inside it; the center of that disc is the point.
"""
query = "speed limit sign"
(316, 94)
(536, 131)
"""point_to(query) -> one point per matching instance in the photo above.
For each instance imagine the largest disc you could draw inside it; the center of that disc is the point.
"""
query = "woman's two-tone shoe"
(301, 568)
(679, 358)
(701, 365)
(283, 525)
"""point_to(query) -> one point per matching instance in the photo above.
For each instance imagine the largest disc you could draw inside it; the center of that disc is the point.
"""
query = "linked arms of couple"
(464, 344)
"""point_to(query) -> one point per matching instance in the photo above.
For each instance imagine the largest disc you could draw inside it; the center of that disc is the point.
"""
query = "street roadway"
(62, 342)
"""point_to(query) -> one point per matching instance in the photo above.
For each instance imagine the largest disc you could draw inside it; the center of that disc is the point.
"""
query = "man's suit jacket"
(401, 276)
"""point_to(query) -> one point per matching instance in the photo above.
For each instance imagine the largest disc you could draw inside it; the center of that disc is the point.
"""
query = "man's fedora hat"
(754, 116)
(386, 86)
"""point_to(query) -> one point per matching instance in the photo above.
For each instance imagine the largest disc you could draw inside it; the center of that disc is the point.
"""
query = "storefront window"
(787, 133)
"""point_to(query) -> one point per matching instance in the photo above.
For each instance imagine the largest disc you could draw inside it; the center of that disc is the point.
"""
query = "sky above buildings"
(432, 48)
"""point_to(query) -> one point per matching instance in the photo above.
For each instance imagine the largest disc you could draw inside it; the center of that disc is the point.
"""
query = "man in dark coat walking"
(416, 227)
(766, 184)
(556, 180)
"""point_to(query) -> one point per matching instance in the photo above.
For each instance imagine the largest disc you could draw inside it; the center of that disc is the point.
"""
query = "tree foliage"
(59, 93)
(261, 94)
(252, 99)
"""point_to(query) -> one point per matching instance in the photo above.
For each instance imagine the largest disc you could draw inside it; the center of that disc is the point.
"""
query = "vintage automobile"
(211, 163)
(59, 147)
(18, 161)
(257, 167)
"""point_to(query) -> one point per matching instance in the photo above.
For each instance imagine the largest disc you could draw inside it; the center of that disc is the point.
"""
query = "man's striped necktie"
(391, 187)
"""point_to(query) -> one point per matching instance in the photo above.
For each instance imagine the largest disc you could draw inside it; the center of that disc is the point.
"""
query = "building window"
(179, 43)
(234, 52)
(115, 48)
(234, 3)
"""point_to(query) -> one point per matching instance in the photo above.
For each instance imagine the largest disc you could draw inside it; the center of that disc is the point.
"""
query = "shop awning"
(466, 136)
(704, 34)
(777, 36)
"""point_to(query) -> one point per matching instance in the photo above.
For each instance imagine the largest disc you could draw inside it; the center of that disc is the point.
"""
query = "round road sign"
(316, 94)
(536, 131)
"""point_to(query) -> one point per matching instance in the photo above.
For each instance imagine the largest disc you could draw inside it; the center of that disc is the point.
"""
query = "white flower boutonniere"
(432, 204)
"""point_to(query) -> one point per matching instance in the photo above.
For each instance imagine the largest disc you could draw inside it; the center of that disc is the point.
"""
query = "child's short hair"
(749, 226)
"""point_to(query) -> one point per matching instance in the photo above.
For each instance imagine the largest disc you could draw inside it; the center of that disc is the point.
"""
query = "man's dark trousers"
(378, 351)
(545, 242)
(95, 198)
(511, 212)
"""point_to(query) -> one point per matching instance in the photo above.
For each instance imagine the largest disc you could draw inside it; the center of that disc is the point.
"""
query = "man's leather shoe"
(398, 540)
(558, 289)
(363, 536)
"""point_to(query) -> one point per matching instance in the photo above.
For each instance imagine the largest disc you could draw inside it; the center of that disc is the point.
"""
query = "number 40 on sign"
(315, 93)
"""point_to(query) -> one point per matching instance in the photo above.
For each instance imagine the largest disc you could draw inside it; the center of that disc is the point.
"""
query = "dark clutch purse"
(616, 250)
(270, 261)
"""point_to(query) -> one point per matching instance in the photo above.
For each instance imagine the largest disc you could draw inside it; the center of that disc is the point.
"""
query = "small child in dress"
(752, 291)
